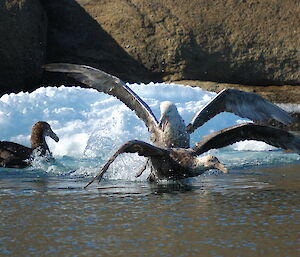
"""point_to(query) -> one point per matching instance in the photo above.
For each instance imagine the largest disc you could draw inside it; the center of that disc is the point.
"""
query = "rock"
(75, 36)
(252, 42)
(22, 44)
(234, 41)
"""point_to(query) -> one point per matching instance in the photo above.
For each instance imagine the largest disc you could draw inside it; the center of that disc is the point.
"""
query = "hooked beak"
(221, 167)
(52, 135)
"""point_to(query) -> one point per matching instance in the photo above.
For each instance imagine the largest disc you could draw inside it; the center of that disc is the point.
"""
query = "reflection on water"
(244, 213)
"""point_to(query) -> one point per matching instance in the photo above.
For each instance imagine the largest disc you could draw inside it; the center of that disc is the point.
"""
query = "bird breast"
(174, 134)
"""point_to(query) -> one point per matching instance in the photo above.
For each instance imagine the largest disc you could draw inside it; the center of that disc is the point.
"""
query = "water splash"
(92, 126)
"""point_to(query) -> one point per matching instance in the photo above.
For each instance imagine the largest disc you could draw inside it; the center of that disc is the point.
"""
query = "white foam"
(89, 122)
(92, 124)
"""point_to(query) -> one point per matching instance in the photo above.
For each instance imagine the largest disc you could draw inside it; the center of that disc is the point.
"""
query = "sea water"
(252, 211)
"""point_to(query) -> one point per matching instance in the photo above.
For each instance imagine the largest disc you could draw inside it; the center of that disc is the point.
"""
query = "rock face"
(22, 44)
(233, 41)
(75, 36)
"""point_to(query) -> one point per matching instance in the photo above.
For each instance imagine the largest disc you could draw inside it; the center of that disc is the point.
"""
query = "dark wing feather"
(244, 104)
(13, 155)
(249, 131)
(133, 146)
(106, 83)
(16, 149)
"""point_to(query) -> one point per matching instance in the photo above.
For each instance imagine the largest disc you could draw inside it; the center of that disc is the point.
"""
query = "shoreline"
(281, 94)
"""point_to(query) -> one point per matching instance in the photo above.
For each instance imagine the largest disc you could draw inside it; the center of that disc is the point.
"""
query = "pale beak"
(221, 167)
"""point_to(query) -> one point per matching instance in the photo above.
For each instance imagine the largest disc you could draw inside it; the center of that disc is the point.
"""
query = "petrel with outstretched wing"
(172, 157)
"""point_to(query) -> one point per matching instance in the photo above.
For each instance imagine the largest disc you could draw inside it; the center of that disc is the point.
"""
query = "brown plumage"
(172, 157)
(13, 155)
(179, 163)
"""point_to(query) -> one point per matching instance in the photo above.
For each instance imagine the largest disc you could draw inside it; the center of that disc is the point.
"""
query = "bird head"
(44, 128)
(211, 162)
(169, 113)
(167, 107)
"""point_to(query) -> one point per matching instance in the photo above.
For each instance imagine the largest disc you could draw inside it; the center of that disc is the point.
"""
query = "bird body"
(172, 128)
(14, 155)
(183, 163)
(171, 156)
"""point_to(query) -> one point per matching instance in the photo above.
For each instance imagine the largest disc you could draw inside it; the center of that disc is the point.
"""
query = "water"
(252, 211)
(245, 213)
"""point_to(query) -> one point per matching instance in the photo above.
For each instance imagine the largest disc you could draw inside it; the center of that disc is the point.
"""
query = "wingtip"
(285, 119)
(189, 128)
(55, 66)
(47, 66)
(291, 120)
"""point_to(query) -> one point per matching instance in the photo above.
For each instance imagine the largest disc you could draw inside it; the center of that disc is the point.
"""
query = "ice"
(93, 125)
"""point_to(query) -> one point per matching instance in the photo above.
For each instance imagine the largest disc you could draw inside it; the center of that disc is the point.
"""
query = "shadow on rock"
(75, 37)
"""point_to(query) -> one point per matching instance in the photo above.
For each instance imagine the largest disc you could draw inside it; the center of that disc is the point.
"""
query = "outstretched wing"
(133, 146)
(249, 131)
(244, 104)
(106, 83)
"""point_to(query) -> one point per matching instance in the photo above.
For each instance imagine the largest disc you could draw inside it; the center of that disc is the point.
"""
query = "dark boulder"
(22, 44)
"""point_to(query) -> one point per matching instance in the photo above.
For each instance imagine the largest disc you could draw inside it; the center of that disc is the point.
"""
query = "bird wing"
(109, 84)
(16, 149)
(13, 155)
(244, 104)
(133, 146)
(249, 131)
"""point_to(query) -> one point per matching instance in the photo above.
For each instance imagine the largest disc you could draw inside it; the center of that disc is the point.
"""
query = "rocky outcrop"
(75, 36)
(22, 44)
(233, 41)
(275, 94)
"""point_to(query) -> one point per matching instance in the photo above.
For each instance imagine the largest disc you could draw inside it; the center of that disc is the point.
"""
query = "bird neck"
(174, 132)
(38, 141)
